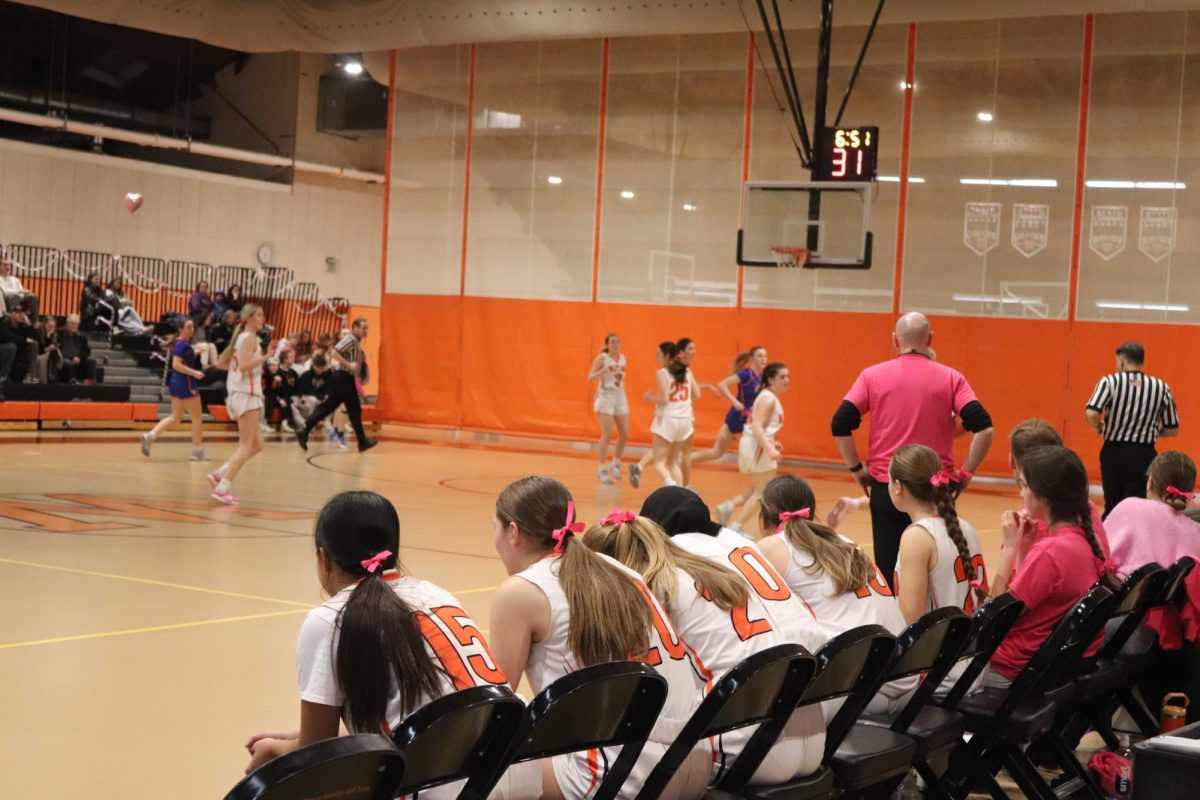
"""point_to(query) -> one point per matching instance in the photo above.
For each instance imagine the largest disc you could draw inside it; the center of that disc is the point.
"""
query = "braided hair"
(1057, 475)
(915, 466)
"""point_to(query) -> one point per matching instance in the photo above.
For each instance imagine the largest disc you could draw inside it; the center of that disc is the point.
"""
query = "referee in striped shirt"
(1130, 410)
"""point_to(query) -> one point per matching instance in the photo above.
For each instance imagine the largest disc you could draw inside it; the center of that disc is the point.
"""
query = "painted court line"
(152, 629)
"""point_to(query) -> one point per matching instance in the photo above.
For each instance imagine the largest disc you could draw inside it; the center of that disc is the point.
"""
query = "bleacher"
(129, 391)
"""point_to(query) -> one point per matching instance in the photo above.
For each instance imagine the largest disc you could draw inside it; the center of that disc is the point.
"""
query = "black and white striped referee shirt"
(350, 349)
(1135, 407)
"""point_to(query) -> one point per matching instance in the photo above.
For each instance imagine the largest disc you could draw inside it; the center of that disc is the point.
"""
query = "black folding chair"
(990, 624)
(363, 767)
(1097, 689)
(851, 665)
(929, 647)
(604, 705)
(468, 734)
(1003, 722)
(764, 690)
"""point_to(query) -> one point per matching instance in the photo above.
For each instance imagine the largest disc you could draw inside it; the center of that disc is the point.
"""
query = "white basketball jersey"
(552, 657)
(792, 618)
(612, 375)
(452, 641)
(948, 583)
(774, 420)
(679, 396)
(837, 613)
(238, 381)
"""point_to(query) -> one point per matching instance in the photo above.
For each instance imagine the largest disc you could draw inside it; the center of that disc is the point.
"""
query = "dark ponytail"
(675, 366)
(379, 637)
(1057, 475)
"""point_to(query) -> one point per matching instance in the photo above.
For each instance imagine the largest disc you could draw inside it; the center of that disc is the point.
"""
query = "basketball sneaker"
(223, 494)
(614, 469)
(340, 438)
(198, 454)
(147, 440)
(635, 475)
(604, 477)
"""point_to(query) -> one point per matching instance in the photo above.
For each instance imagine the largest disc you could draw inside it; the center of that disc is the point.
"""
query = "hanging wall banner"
(981, 227)
(1030, 228)
(1109, 226)
(1156, 232)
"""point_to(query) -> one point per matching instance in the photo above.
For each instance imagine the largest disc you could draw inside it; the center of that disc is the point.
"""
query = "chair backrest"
(929, 646)
(604, 705)
(1143, 589)
(853, 665)
(763, 689)
(468, 734)
(1058, 657)
(363, 767)
(1177, 573)
(989, 625)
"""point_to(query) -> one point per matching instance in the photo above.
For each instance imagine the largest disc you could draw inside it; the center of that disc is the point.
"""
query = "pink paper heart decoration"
(133, 201)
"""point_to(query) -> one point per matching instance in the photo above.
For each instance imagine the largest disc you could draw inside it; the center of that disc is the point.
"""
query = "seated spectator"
(200, 307)
(280, 384)
(221, 334)
(95, 311)
(12, 292)
(310, 390)
(234, 299)
(18, 347)
(78, 364)
(128, 319)
(49, 363)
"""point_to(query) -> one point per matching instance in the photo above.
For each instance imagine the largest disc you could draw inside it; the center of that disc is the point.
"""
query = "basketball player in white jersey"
(674, 419)
(373, 603)
(563, 608)
(830, 573)
(941, 559)
(611, 404)
(244, 359)
(759, 452)
(723, 620)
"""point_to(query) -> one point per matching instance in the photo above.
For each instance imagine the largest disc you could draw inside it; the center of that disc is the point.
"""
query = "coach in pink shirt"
(911, 400)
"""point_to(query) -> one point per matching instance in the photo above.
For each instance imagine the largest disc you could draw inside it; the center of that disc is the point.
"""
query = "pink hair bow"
(618, 517)
(804, 513)
(1174, 492)
(977, 585)
(943, 478)
(560, 534)
(376, 561)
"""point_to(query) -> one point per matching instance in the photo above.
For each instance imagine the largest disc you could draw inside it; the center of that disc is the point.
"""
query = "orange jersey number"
(680, 392)
(666, 634)
(960, 574)
(478, 668)
(876, 584)
(745, 627)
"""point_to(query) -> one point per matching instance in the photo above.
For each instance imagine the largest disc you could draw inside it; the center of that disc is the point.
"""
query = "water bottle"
(1123, 785)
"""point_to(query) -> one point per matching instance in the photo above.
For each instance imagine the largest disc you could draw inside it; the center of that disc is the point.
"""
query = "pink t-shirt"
(1057, 571)
(1150, 531)
(1043, 530)
(911, 400)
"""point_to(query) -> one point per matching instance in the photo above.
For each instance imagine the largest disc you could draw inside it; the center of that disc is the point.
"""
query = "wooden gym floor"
(147, 630)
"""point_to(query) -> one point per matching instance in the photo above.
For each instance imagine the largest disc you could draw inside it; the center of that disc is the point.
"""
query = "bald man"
(911, 400)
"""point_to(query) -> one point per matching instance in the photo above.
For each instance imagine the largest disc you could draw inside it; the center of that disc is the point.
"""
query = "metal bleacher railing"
(156, 287)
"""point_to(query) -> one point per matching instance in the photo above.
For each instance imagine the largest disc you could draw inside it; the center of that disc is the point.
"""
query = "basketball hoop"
(790, 257)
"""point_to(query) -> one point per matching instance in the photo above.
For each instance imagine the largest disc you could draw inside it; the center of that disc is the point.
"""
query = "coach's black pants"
(887, 526)
(1123, 468)
(341, 391)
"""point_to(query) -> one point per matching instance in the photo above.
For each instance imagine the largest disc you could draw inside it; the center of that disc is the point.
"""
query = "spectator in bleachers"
(310, 390)
(200, 307)
(12, 292)
(221, 334)
(95, 311)
(304, 346)
(78, 364)
(16, 330)
(280, 383)
(50, 360)
(128, 319)
(234, 299)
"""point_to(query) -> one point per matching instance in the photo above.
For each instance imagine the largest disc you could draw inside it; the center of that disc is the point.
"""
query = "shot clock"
(847, 154)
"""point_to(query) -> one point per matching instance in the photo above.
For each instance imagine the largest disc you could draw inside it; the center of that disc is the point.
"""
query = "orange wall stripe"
(602, 134)
(1085, 101)
(387, 202)
(747, 131)
(910, 76)
(462, 269)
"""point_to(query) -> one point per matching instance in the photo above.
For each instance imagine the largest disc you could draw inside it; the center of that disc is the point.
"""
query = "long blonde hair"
(609, 615)
(248, 311)
(644, 547)
(844, 562)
